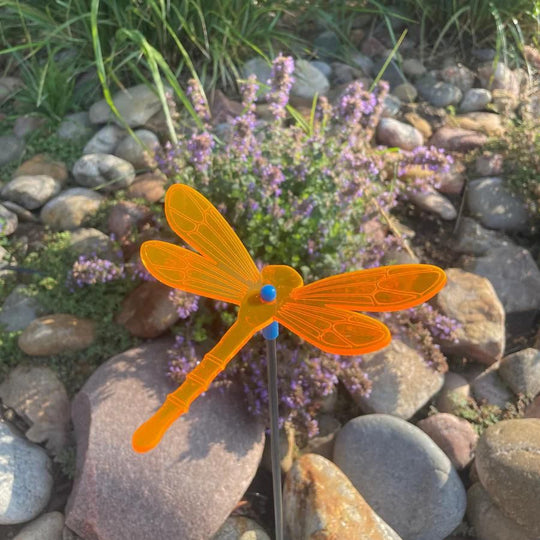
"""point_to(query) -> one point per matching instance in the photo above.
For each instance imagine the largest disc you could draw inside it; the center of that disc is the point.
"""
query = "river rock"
(403, 475)
(43, 164)
(308, 81)
(487, 519)
(55, 334)
(148, 186)
(31, 191)
(187, 485)
(148, 311)
(458, 75)
(19, 309)
(521, 371)
(141, 157)
(495, 206)
(453, 435)
(26, 124)
(513, 274)
(320, 502)
(432, 201)
(75, 127)
(475, 99)
(11, 149)
(90, 242)
(8, 221)
(472, 301)
(125, 217)
(508, 465)
(488, 387)
(473, 239)
(103, 171)
(413, 68)
(401, 380)
(484, 122)
(105, 140)
(437, 93)
(48, 526)
(69, 209)
(37, 394)
(406, 92)
(454, 393)
(489, 164)
(25, 478)
(135, 105)
(391, 132)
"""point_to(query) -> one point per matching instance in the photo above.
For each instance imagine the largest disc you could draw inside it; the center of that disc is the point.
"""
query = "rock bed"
(391, 472)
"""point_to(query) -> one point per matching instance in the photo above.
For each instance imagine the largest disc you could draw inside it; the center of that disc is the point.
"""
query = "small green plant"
(67, 459)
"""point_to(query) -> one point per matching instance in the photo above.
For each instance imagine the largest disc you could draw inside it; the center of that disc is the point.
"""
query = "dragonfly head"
(283, 278)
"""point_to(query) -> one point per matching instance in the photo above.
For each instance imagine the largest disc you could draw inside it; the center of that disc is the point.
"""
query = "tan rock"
(149, 186)
(43, 164)
(484, 122)
(55, 334)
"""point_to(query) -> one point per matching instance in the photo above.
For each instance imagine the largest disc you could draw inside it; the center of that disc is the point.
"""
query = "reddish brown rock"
(457, 139)
(55, 334)
(453, 435)
(148, 311)
(321, 503)
(149, 186)
(43, 164)
(126, 217)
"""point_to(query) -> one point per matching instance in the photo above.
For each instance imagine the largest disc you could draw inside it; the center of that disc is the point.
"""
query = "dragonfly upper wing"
(184, 269)
(198, 222)
(387, 288)
(334, 330)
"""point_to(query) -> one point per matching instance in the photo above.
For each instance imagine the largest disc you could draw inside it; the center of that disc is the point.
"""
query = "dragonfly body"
(323, 313)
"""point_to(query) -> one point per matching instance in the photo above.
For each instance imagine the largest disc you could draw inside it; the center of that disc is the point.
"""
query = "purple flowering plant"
(302, 193)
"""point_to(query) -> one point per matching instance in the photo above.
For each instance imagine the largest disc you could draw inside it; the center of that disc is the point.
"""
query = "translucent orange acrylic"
(322, 313)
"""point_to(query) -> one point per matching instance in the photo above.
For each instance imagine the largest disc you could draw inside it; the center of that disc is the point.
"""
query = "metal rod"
(274, 436)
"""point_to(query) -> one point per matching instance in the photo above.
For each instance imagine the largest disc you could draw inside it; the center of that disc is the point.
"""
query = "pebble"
(31, 192)
(323, 67)
(365, 63)
(25, 478)
(148, 311)
(240, 528)
(43, 164)
(496, 206)
(403, 475)
(141, 157)
(453, 435)
(19, 309)
(48, 526)
(392, 73)
(475, 99)
(420, 123)
(8, 221)
(432, 201)
(136, 105)
(455, 392)
(460, 76)
(472, 301)
(326, 44)
(508, 465)
(55, 334)
(260, 68)
(401, 380)
(406, 92)
(393, 133)
(487, 519)
(514, 275)
(319, 501)
(308, 81)
(36, 393)
(105, 140)
(103, 171)
(438, 94)
(452, 181)
(75, 127)
(192, 481)
(457, 139)
(22, 213)
(69, 209)
(11, 149)
(391, 106)
(521, 371)
(413, 68)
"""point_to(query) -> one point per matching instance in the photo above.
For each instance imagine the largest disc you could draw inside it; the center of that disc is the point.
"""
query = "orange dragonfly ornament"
(322, 313)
